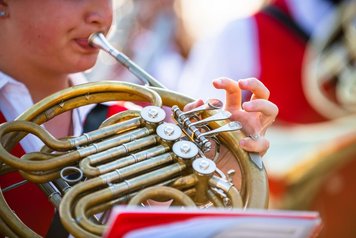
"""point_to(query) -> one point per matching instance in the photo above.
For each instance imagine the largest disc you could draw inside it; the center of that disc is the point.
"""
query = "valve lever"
(210, 104)
(232, 126)
(223, 115)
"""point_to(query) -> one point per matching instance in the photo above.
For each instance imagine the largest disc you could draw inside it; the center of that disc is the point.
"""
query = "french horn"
(133, 157)
(329, 72)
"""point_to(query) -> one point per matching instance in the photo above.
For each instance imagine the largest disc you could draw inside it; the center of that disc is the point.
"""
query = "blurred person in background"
(271, 44)
(152, 34)
(268, 45)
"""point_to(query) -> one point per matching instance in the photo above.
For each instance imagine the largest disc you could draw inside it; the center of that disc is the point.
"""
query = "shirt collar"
(6, 79)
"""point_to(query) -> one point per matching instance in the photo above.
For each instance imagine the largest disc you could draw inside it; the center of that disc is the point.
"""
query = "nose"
(100, 13)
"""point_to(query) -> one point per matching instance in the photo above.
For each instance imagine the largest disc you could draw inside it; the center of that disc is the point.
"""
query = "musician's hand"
(255, 115)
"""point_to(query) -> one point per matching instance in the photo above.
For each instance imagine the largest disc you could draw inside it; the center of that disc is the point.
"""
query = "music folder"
(156, 222)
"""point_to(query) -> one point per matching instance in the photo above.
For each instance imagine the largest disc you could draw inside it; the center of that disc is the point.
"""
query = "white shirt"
(16, 99)
(233, 51)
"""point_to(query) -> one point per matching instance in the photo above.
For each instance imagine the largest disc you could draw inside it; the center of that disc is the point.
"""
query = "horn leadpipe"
(98, 40)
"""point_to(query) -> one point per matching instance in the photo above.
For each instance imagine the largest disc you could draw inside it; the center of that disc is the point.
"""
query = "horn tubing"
(159, 192)
(59, 161)
(84, 94)
(131, 159)
(101, 196)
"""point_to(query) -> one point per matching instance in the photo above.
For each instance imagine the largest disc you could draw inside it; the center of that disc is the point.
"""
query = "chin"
(85, 64)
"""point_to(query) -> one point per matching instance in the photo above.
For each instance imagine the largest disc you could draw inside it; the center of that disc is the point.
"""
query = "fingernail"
(246, 105)
(242, 143)
(218, 80)
(244, 82)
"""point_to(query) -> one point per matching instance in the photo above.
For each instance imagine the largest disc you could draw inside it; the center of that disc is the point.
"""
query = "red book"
(131, 222)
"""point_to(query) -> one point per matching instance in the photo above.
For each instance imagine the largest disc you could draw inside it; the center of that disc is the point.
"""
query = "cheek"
(36, 38)
(45, 43)
(50, 45)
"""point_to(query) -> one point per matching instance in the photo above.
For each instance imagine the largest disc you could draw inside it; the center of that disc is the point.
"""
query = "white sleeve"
(230, 53)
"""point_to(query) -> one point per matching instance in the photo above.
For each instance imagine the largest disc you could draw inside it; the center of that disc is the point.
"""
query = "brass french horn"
(133, 156)
(329, 72)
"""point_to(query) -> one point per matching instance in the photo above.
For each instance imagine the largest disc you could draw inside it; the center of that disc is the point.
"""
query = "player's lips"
(84, 43)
